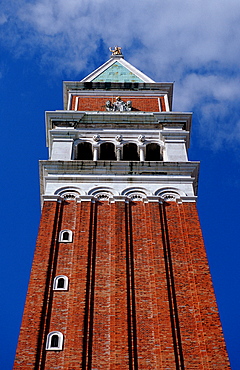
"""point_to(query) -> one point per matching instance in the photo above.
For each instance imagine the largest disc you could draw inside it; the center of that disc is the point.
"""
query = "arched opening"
(60, 283)
(65, 236)
(153, 152)
(54, 341)
(130, 152)
(107, 152)
(84, 151)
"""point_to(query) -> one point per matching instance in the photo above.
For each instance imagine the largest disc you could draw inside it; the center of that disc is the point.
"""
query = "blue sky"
(193, 43)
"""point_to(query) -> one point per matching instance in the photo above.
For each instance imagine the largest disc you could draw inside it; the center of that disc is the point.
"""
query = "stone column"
(95, 153)
(141, 153)
(118, 153)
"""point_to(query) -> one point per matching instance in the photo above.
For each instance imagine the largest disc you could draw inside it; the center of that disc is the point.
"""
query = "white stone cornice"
(132, 168)
(50, 198)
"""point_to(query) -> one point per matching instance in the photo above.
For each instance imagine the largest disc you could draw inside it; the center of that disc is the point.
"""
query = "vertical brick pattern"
(144, 299)
(80, 290)
(140, 294)
(119, 350)
(215, 349)
(31, 339)
(197, 327)
(181, 293)
(110, 331)
(162, 320)
(102, 289)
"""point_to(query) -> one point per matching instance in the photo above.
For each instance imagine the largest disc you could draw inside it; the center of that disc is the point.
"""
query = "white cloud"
(195, 43)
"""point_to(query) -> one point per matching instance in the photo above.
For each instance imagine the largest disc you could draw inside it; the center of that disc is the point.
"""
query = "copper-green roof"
(117, 73)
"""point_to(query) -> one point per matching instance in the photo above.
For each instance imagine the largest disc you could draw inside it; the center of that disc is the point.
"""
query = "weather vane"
(116, 50)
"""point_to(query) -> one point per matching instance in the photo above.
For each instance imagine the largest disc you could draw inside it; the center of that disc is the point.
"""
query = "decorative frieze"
(126, 195)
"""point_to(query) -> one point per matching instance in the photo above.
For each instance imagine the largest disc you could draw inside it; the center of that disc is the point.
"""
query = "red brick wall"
(200, 342)
(140, 293)
(204, 298)
(31, 343)
(97, 103)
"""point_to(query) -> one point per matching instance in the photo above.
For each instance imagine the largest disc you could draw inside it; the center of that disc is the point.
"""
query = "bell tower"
(120, 278)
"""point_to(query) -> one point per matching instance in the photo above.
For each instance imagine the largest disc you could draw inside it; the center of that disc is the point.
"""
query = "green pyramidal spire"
(116, 69)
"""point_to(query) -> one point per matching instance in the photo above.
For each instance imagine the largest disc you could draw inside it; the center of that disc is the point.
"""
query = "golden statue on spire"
(116, 50)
